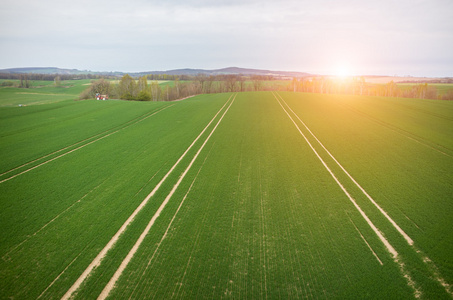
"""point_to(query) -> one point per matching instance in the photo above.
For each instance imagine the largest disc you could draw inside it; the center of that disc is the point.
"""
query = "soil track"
(433, 268)
(102, 136)
(397, 227)
(98, 259)
(111, 284)
(388, 246)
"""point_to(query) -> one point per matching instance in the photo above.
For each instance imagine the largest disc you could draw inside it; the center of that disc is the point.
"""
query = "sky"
(406, 37)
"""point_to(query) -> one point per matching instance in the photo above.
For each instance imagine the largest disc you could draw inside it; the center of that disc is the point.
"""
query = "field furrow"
(254, 195)
(101, 194)
(273, 245)
(421, 258)
(72, 148)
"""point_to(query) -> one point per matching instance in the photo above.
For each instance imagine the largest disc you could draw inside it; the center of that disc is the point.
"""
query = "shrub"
(448, 95)
(144, 96)
(127, 96)
(7, 83)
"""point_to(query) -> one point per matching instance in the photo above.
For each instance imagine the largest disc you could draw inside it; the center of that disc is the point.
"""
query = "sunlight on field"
(242, 195)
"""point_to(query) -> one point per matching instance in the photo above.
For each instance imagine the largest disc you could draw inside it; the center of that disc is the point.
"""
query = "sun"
(343, 69)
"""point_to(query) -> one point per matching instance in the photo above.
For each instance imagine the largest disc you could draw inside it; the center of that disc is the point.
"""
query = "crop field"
(441, 88)
(257, 195)
(41, 92)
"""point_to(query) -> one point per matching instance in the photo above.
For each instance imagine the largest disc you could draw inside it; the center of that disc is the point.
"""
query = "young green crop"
(257, 216)
(67, 208)
(41, 92)
(271, 224)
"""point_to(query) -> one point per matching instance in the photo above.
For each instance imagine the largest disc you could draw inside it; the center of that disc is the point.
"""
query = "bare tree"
(155, 91)
(230, 81)
(24, 83)
(142, 83)
(294, 84)
(241, 81)
(201, 78)
(177, 88)
(257, 82)
(208, 86)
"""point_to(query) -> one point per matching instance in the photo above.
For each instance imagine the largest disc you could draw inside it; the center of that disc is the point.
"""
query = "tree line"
(144, 89)
(358, 86)
(188, 85)
(23, 81)
(129, 88)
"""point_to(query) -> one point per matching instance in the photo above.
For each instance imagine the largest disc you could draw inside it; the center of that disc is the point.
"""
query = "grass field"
(250, 195)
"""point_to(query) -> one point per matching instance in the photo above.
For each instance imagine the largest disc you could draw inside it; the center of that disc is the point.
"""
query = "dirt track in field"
(98, 259)
(111, 284)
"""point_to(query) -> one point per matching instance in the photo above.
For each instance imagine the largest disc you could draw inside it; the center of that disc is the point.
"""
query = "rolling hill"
(187, 71)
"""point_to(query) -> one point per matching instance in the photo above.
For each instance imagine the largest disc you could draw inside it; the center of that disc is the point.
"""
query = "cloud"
(295, 35)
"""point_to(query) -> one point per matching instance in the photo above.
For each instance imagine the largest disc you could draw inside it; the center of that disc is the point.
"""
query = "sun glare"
(343, 70)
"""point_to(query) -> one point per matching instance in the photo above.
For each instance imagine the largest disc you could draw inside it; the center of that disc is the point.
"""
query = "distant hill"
(231, 71)
(54, 70)
(43, 70)
(224, 71)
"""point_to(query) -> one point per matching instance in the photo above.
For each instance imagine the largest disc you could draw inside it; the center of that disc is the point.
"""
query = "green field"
(41, 92)
(257, 195)
(441, 88)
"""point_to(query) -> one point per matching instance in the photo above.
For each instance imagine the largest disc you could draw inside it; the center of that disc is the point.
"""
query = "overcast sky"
(406, 37)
